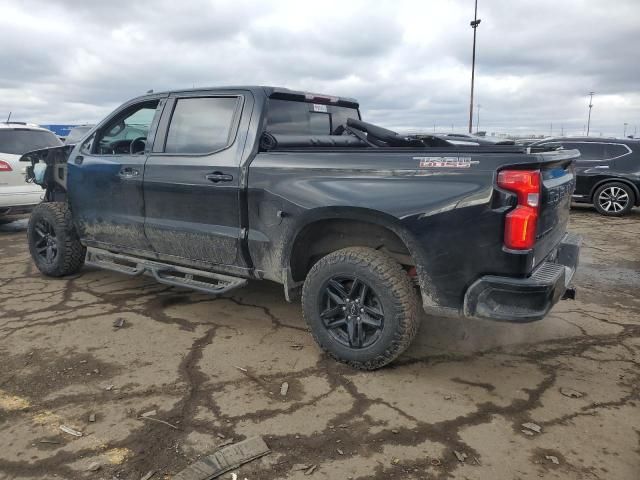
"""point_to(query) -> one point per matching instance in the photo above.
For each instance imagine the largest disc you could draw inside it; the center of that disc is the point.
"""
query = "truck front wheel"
(361, 307)
(53, 242)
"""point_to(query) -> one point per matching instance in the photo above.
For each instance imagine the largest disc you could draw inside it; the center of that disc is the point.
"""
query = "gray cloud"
(407, 61)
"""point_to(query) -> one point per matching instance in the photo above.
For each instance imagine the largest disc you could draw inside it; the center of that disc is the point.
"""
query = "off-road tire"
(607, 187)
(70, 253)
(393, 287)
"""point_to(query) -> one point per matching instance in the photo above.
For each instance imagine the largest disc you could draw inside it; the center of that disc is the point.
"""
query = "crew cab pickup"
(208, 188)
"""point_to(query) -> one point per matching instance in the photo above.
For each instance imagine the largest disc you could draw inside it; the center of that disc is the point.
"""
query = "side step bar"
(176, 276)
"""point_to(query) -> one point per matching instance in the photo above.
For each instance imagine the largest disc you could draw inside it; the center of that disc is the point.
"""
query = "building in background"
(60, 130)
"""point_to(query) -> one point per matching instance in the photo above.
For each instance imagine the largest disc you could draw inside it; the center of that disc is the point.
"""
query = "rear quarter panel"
(450, 218)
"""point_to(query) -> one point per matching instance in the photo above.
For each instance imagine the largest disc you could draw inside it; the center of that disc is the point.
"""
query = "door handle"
(216, 177)
(128, 172)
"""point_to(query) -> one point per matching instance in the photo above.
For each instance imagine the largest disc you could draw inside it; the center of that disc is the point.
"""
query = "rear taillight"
(4, 166)
(522, 221)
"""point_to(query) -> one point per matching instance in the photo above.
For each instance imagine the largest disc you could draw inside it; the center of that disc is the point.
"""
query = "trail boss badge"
(446, 162)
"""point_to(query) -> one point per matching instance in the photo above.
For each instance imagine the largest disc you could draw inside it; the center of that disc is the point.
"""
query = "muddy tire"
(361, 307)
(614, 199)
(53, 242)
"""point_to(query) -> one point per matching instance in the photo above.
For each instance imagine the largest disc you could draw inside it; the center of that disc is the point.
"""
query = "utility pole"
(624, 135)
(474, 24)
(591, 94)
(551, 129)
(478, 119)
(562, 130)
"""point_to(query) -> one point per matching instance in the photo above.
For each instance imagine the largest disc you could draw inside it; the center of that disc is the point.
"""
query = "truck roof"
(271, 92)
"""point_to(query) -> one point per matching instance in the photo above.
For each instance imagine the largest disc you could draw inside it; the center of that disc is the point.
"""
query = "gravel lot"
(465, 386)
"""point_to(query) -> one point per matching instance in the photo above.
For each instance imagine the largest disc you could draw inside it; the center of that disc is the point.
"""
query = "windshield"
(18, 141)
(287, 117)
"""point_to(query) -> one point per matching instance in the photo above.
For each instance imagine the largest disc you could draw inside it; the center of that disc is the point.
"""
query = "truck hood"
(43, 162)
(48, 155)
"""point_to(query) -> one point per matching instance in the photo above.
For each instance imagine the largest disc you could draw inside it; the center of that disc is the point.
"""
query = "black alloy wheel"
(351, 312)
(45, 241)
(361, 307)
(53, 242)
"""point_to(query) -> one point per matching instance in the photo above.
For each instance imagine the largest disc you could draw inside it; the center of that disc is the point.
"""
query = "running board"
(176, 276)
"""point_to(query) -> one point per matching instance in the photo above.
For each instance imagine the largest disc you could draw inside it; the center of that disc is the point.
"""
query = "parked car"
(76, 134)
(607, 172)
(17, 196)
(267, 183)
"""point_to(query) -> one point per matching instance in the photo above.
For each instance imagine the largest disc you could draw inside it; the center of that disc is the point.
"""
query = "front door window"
(127, 133)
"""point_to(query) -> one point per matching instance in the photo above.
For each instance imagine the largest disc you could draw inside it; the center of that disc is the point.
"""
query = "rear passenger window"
(285, 117)
(615, 150)
(200, 125)
(588, 150)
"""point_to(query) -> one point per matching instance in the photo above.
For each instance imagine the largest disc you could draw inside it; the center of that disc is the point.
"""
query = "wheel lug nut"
(344, 308)
(362, 309)
(358, 318)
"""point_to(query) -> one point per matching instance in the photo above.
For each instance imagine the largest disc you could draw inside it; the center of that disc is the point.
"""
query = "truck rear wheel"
(361, 307)
(53, 242)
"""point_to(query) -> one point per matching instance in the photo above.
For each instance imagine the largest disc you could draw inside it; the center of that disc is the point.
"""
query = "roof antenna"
(8, 118)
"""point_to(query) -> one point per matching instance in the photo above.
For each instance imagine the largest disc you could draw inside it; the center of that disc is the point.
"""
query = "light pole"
(478, 119)
(591, 94)
(624, 135)
(474, 24)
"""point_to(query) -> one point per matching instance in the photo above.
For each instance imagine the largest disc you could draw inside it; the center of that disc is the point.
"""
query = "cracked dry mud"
(464, 386)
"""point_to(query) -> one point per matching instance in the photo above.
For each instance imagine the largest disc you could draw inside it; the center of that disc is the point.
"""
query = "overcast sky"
(407, 62)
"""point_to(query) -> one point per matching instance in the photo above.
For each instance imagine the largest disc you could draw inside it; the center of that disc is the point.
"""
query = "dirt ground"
(212, 369)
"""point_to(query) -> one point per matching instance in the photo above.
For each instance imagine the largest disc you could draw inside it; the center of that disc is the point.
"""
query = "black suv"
(607, 172)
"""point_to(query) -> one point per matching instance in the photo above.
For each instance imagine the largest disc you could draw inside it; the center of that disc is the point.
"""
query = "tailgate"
(558, 182)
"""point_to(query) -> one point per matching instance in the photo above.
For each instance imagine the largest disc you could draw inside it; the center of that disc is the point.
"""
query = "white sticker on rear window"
(319, 108)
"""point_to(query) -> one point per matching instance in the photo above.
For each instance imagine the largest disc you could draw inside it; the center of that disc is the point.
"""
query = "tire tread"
(400, 287)
(72, 252)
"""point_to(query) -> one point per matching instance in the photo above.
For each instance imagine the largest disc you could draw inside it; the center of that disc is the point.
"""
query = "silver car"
(16, 195)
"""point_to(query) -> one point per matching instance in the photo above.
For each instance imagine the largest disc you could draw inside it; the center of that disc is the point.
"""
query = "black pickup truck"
(208, 188)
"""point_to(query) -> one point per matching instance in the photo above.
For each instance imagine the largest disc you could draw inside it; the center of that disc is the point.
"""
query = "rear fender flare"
(374, 217)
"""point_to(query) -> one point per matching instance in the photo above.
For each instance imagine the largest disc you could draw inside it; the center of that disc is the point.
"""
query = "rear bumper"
(14, 199)
(522, 300)
(22, 209)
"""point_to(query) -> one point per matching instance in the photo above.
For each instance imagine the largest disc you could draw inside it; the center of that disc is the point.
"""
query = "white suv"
(16, 195)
